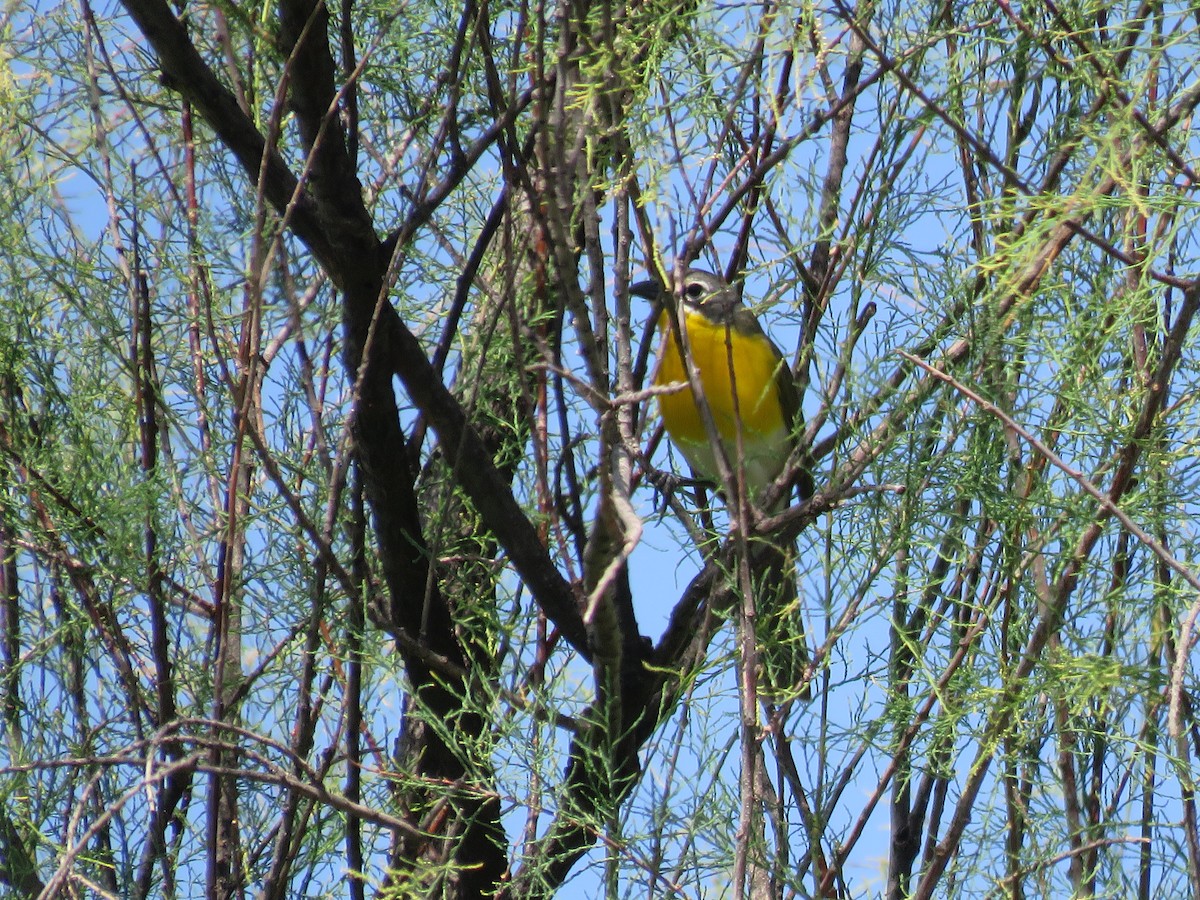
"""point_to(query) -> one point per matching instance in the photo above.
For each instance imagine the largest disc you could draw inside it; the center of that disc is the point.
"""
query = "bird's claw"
(666, 483)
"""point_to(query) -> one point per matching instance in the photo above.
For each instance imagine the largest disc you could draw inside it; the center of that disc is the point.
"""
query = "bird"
(732, 354)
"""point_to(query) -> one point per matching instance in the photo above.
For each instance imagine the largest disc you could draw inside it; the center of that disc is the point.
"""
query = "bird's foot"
(666, 483)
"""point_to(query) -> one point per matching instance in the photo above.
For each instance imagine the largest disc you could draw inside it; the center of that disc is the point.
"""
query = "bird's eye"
(694, 290)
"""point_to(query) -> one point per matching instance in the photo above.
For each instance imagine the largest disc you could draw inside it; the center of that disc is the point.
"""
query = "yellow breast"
(753, 370)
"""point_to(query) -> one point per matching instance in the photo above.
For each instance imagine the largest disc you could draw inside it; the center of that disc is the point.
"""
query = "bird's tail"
(780, 633)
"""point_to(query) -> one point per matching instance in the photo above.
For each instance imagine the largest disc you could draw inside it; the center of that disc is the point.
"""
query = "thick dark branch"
(17, 870)
(184, 71)
(356, 272)
(480, 479)
(313, 95)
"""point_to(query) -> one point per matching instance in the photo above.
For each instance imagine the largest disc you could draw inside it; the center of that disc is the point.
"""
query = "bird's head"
(701, 292)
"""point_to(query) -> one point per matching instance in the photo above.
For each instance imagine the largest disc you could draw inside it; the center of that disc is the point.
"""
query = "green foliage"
(1004, 193)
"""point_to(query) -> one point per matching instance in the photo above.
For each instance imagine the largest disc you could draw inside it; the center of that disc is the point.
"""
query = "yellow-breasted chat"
(734, 358)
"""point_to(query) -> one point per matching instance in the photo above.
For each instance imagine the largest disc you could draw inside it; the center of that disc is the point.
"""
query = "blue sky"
(914, 274)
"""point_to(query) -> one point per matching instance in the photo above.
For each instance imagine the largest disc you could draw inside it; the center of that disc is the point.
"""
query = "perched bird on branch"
(748, 388)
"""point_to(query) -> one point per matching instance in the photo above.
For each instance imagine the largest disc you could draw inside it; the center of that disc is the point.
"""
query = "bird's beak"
(648, 290)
